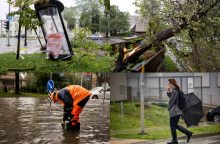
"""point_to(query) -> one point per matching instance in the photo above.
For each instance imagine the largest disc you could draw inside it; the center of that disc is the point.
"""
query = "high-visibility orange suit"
(73, 98)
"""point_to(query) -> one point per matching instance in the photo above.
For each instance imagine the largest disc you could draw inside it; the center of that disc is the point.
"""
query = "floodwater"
(29, 120)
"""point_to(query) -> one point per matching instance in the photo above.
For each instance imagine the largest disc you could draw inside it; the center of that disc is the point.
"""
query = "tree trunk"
(17, 91)
(107, 25)
(124, 59)
(17, 57)
(18, 45)
(195, 53)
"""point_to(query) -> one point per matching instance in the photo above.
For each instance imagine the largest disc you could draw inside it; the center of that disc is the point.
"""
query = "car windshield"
(96, 35)
(96, 89)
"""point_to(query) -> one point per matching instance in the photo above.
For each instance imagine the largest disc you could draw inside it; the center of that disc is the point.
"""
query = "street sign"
(9, 18)
(50, 85)
(88, 76)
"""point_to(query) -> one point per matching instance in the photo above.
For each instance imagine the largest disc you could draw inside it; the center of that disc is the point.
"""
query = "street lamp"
(57, 41)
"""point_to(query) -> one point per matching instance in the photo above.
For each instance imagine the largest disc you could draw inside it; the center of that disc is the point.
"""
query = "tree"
(119, 21)
(196, 23)
(151, 11)
(89, 14)
(28, 19)
(69, 15)
(106, 3)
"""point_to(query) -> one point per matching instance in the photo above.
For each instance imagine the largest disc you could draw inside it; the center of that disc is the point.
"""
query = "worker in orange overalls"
(73, 98)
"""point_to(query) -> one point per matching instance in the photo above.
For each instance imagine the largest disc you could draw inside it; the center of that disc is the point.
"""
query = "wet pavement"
(33, 45)
(202, 140)
(29, 120)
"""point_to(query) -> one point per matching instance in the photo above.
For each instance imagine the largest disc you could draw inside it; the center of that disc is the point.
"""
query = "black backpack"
(182, 100)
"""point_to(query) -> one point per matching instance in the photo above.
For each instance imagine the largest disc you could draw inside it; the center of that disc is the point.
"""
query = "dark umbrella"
(193, 111)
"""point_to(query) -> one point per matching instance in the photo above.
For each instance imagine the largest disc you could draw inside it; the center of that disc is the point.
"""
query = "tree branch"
(125, 58)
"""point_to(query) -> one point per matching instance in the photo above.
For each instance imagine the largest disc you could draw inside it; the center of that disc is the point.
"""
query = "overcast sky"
(125, 5)
(4, 6)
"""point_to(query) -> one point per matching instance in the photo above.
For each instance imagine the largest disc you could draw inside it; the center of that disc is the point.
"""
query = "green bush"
(170, 66)
(80, 37)
(81, 41)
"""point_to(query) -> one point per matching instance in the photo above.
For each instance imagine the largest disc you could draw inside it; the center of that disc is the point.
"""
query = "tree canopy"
(119, 21)
(70, 15)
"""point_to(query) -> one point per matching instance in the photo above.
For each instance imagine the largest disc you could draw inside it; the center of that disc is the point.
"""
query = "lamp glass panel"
(52, 25)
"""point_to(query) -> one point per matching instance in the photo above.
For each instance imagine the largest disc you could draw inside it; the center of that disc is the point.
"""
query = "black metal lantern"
(53, 28)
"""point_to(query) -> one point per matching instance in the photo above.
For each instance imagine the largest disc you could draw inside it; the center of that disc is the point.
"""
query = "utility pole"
(142, 130)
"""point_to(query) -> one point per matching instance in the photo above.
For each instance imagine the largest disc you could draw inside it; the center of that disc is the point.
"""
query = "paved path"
(203, 140)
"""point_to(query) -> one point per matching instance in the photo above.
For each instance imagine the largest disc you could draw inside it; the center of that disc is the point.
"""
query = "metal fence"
(155, 87)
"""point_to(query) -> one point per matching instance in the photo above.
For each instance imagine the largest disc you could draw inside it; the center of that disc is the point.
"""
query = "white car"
(98, 93)
(96, 36)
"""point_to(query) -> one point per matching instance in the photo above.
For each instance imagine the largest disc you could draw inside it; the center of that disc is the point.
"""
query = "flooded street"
(29, 120)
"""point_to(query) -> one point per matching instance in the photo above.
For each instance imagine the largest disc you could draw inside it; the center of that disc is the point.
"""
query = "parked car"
(213, 115)
(96, 36)
(98, 93)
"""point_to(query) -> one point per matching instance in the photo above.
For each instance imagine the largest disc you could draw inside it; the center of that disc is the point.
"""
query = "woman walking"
(173, 92)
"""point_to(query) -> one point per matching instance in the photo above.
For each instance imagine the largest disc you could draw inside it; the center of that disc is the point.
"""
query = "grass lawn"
(170, 66)
(38, 63)
(37, 95)
(156, 123)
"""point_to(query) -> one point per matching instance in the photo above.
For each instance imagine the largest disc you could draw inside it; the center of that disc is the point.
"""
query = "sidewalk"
(194, 140)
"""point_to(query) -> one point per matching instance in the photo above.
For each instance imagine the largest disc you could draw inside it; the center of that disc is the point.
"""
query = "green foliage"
(89, 14)
(127, 125)
(151, 11)
(200, 38)
(37, 81)
(70, 15)
(169, 65)
(90, 47)
(27, 16)
(80, 62)
(119, 21)
(106, 3)
(80, 36)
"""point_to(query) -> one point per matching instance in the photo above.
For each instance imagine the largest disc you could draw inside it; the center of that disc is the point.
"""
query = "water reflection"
(27, 120)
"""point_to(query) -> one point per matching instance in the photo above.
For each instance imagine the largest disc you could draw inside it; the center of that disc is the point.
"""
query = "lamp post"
(52, 24)
(142, 86)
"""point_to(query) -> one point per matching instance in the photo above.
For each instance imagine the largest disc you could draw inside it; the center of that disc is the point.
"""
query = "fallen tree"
(125, 58)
